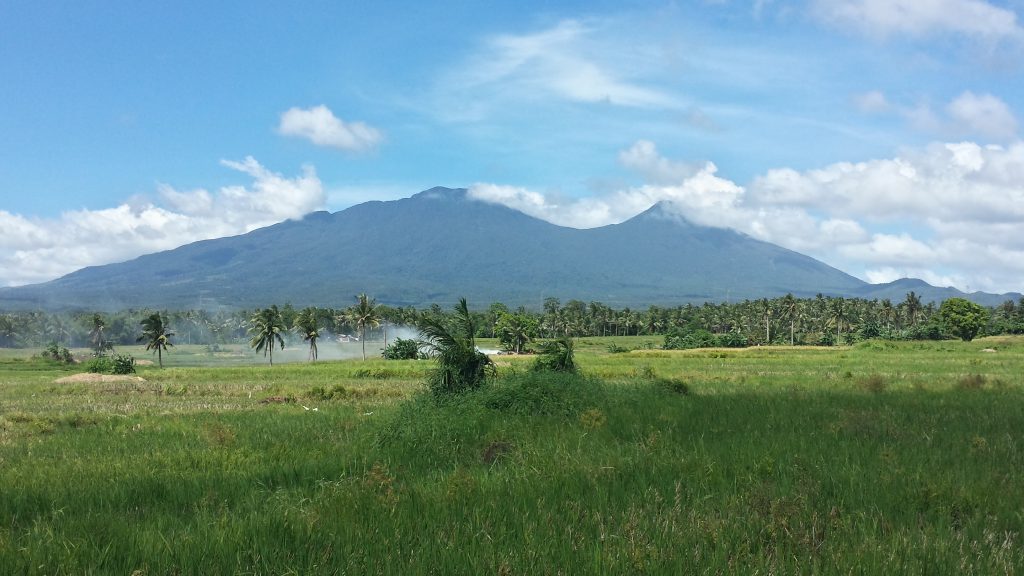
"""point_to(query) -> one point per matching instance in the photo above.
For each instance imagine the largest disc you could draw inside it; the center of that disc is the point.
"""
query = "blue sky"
(882, 137)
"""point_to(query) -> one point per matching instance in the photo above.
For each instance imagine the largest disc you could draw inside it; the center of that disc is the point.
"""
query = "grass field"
(881, 458)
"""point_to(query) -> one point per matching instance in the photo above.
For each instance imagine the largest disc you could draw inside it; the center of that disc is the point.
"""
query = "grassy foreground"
(881, 458)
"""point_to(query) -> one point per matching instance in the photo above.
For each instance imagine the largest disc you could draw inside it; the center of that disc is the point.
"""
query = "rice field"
(878, 458)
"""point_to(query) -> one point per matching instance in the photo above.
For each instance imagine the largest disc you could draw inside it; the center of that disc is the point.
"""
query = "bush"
(100, 365)
(556, 356)
(403, 349)
(123, 364)
(57, 353)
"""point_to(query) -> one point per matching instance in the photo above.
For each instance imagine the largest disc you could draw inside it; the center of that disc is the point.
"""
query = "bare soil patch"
(91, 377)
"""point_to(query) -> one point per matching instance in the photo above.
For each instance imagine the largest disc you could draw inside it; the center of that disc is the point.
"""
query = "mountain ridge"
(440, 244)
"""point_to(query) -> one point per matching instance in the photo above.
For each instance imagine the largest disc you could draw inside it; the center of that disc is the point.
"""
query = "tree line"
(786, 320)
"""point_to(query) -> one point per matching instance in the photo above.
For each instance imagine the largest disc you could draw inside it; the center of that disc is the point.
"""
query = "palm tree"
(790, 307)
(362, 314)
(267, 326)
(838, 313)
(306, 324)
(155, 334)
(913, 307)
(460, 366)
(96, 334)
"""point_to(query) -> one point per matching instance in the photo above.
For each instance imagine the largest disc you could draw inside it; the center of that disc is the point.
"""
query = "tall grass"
(774, 461)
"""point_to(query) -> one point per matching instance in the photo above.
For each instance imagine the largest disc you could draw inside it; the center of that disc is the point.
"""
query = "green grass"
(879, 458)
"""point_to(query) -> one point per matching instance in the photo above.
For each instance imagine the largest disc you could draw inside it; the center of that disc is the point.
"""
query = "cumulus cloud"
(950, 213)
(968, 115)
(321, 127)
(970, 18)
(984, 115)
(36, 250)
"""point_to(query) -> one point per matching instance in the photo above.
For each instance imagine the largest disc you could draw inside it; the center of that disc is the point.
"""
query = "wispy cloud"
(321, 127)
(561, 61)
(883, 18)
(42, 249)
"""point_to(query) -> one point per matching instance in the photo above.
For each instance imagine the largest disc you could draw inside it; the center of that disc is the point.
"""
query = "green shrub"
(123, 364)
(57, 353)
(100, 365)
(402, 349)
(556, 356)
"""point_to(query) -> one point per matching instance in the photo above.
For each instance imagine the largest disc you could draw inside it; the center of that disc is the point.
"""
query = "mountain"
(439, 245)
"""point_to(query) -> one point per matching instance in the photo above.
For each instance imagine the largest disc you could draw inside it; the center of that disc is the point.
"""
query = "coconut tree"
(362, 314)
(156, 335)
(460, 366)
(790, 309)
(307, 325)
(96, 333)
(266, 328)
(912, 305)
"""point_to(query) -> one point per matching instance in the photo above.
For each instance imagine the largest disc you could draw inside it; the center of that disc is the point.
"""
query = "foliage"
(267, 327)
(460, 366)
(700, 338)
(516, 330)
(402, 349)
(760, 469)
(99, 365)
(58, 353)
(543, 393)
(556, 356)
(123, 364)
(365, 312)
(307, 325)
(156, 335)
(962, 318)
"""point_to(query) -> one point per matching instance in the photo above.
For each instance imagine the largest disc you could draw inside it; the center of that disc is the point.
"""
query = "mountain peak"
(663, 210)
(441, 193)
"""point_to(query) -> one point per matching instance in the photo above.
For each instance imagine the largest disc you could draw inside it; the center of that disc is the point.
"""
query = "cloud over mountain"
(37, 249)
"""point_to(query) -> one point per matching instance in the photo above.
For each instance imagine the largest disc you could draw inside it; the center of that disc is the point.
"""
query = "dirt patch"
(278, 400)
(494, 451)
(144, 362)
(91, 377)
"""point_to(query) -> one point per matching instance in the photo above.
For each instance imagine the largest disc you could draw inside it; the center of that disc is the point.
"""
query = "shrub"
(731, 340)
(57, 353)
(100, 365)
(402, 349)
(460, 366)
(123, 364)
(556, 356)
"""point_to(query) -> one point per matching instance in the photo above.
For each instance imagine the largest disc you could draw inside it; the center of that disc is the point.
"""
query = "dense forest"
(781, 321)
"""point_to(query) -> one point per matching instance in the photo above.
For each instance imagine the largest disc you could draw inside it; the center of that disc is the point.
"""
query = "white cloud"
(970, 18)
(968, 115)
(643, 158)
(558, 61)
(950, 214)
(43, 249)
(873, 102)
(321, 127)
(983, 115)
